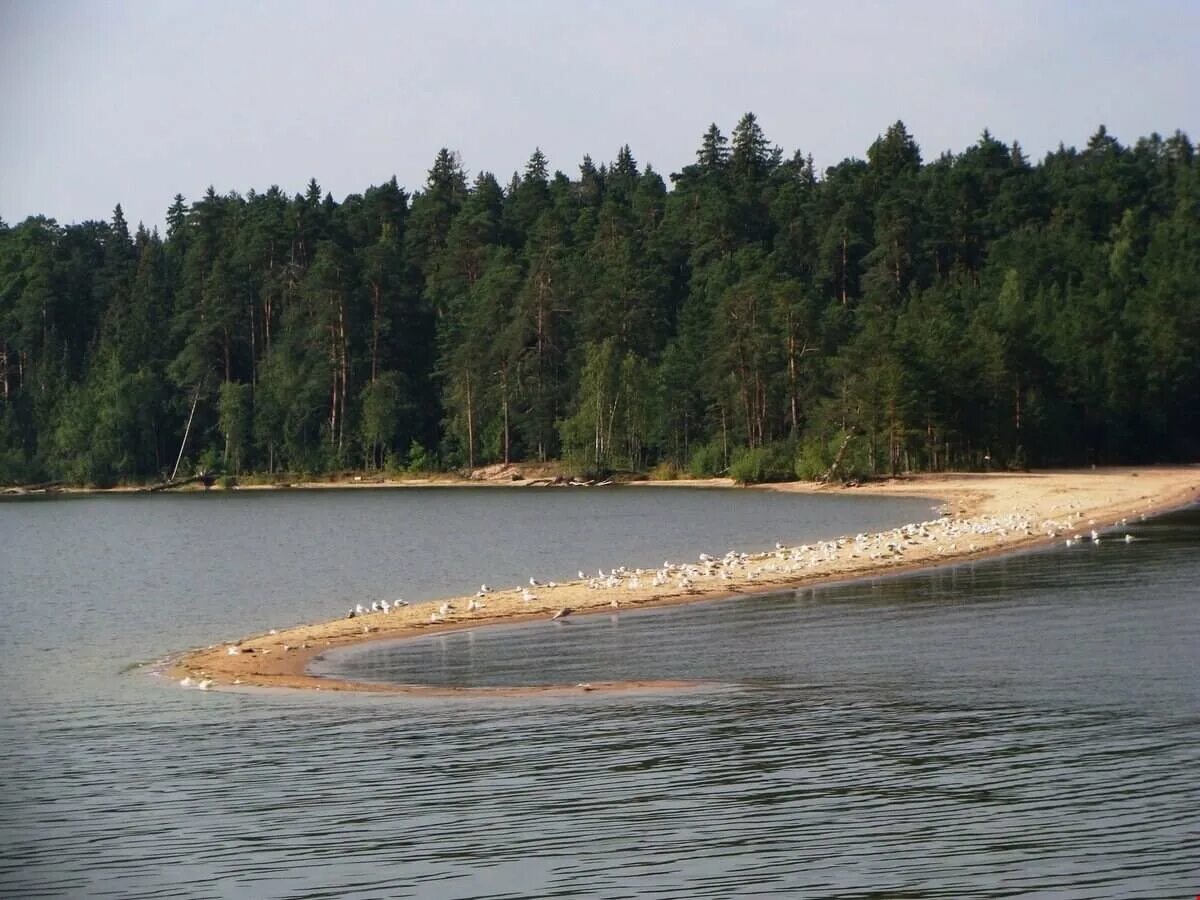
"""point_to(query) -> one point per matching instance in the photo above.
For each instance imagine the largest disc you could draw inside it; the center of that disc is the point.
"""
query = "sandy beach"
(981, 515)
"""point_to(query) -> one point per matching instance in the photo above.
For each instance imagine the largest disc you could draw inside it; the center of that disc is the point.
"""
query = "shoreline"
(986, 515)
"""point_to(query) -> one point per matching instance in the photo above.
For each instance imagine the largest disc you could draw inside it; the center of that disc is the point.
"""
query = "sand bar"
(983, 515)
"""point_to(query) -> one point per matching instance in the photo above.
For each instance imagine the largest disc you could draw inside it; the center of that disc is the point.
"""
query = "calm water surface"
(1028, 726)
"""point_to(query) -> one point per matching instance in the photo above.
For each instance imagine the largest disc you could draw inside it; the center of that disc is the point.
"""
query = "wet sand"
(982, 515)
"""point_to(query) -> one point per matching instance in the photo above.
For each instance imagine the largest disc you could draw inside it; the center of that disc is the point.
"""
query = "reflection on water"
(1025, 726)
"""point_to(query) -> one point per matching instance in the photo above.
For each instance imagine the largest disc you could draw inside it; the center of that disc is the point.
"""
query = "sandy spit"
(982, 515)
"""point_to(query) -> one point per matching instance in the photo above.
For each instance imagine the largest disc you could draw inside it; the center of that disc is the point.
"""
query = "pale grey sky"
(133, 102)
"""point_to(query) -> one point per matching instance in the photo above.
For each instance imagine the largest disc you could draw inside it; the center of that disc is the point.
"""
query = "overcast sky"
(131, 103)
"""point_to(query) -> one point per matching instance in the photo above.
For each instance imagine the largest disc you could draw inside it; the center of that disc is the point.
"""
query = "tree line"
(890, 314)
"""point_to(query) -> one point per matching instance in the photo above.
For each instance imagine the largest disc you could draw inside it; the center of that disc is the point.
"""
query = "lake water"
(1026, 726)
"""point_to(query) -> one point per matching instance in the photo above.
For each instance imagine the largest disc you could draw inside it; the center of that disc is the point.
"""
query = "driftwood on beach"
(562, 481)
(205, 478)
(44, 487)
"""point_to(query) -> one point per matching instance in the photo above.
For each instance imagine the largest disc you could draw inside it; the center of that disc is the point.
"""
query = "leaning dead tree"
(831, 472)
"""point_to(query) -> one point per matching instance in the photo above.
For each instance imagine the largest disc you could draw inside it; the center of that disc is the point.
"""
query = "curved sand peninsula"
(983, 515)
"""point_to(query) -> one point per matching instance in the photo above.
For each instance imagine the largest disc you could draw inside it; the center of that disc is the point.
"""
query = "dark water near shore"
(1028, 726)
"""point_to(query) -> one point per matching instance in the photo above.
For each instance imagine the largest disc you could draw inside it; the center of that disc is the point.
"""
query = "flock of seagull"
(944, 535)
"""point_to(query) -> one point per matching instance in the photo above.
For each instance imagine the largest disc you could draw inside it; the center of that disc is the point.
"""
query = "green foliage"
(813, 460)
(617, 408)
(385, 408)
(235, 418)
(14, 468)
(707, 461)
(940, 311)
(756, 465)
(419, 460)
(103, 424)
(816, 456)
(666, 471)
(209, 461)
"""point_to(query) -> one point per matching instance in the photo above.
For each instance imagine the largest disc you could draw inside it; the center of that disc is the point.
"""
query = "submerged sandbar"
(984, 514)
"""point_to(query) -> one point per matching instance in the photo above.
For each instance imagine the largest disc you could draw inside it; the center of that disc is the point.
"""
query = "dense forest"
(891, 315)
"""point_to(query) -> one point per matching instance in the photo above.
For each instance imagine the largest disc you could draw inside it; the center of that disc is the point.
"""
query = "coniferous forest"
(747, 314)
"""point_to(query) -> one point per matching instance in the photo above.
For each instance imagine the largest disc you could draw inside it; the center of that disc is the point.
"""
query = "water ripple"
(1028, 726)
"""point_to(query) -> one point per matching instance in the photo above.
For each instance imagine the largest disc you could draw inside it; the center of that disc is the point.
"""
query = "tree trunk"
(504, 401)
(504, 415)
(837, 459)
(186, 430)
(760, 407)
(724, 439)
(612, 415)
(344, 351)
(542, 293)
(845, 263)
(375, 315)
(253, 344)
(1017, 402)
(334, 375)
(470, 426)
(598, 429)
(267, 288)
(793, 404)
